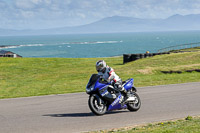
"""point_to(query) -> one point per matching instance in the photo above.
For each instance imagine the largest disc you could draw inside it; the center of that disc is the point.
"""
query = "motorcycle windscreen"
(92, 80)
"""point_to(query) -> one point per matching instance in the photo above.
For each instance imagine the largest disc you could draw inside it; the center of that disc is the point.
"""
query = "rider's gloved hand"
(112, 82)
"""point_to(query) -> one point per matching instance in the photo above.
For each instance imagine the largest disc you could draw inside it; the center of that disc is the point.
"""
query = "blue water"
(95, 45)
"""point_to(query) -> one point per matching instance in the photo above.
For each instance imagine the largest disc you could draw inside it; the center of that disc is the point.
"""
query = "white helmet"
(100, 66)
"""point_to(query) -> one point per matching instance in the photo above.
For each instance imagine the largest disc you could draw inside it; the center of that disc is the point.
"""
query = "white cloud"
(24, 4)
(81, 15)
(47, 1)
(28, 13)
(2, 4)
(36, 1)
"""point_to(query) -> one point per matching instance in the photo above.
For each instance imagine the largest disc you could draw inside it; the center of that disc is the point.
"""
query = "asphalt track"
(70, 112)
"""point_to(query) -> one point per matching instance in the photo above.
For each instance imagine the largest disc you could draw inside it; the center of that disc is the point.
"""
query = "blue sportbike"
(104, 97)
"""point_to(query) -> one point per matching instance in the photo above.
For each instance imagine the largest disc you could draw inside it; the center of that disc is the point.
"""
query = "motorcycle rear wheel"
(134, 105)
(95, 106)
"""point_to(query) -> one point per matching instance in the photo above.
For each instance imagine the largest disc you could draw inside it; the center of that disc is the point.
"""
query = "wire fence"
(178, 47)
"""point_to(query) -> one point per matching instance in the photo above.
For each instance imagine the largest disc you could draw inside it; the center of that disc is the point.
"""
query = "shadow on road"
(81, 114)
(71, 115)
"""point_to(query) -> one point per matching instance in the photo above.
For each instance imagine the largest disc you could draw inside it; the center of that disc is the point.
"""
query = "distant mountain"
(179, 22)
(120, 24)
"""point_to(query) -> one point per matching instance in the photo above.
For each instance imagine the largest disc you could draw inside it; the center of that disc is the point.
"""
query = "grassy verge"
(195, 49)
(187, 125)
(22, 77)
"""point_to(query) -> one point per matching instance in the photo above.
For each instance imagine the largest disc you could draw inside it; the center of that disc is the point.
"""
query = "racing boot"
(124, 94)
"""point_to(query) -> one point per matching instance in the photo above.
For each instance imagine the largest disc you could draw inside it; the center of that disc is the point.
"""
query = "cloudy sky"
(41, 14)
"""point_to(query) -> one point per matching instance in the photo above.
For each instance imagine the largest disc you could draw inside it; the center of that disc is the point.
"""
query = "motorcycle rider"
(108, 74)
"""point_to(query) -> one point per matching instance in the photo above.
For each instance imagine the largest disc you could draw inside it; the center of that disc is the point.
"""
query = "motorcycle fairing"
(100, 85)
(104, 92)
(128, 85)
(116, 105)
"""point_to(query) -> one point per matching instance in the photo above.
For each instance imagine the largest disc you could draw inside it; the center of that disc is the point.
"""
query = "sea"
(95, 45)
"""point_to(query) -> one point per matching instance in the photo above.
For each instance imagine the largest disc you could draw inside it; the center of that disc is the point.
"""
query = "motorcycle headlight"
(88, 90)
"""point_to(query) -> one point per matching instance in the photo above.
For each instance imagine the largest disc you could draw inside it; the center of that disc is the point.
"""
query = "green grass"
(191, 125)
(22, 77)
(195, 49)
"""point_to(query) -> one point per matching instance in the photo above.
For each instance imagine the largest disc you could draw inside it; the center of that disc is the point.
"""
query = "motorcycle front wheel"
(96, 106)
